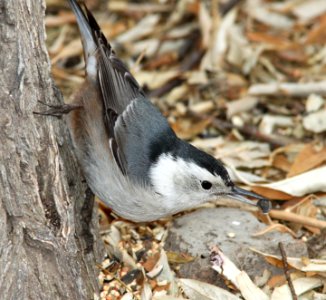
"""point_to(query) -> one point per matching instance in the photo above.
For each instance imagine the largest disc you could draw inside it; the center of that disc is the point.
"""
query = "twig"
(167, 87)
(138, 61)
(191, 56)
(274, 140)
(289, 89)
(146, 8)
(276, 214)
(286, 271)
(298, 219)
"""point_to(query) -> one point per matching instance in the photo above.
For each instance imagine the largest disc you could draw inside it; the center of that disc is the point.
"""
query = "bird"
(131, 158)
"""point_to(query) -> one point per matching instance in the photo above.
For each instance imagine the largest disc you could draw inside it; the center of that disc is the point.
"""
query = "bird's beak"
(240, 194)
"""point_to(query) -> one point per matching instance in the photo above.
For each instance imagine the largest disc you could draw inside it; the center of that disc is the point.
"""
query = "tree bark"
(49, 241)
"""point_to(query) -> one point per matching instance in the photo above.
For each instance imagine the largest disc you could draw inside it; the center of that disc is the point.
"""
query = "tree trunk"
(47, 248)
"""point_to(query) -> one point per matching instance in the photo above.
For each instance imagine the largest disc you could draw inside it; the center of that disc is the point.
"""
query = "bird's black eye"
(206, 185)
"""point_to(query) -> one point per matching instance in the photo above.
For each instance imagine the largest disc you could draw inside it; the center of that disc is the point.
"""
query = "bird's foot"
(57, 110)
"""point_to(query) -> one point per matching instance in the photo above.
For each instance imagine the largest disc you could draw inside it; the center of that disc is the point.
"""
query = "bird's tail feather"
(87, 27)
(118, 86)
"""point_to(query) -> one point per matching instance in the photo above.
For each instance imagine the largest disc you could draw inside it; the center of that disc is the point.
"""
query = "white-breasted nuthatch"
(131, 158)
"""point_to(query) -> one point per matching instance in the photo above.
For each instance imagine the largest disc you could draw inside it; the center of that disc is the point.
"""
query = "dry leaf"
(240, 53)
(151, 262)
(146, 293)
(248, 289)
(224, 266)
(281, 162)
(300, 185)
(244, 177)
(167, 274)
(202, 107)
(244, 154)
(145, 27)
(276, 280)
(306, 207)
(301, 264)
(196, 290)
(268, 17)
(205, 22)
(60, 20)
(155, 271)
(213, 57)
(309, 9)
(241, 105)
(207, 143)
(318, 33)
(271, 193)
(301, 285)
(196, 77)
(178, 93)
(277, 227)
(186, 129)
(179, 258)
(72, 49)
(277, 42)
(155, 79)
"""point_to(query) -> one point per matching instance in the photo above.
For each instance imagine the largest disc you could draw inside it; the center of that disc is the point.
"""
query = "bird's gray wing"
(137, 131)
(119, 89)
(117, 84)
(134, 126)
(142, 134)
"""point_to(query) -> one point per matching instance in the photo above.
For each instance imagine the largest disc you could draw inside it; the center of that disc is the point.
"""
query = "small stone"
(196, 232)
(236, 223)
(237, 121)
(315, 122)
(231, 234)
(314, 103)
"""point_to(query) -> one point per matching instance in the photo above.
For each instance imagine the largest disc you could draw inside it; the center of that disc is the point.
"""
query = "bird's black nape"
(202, 159)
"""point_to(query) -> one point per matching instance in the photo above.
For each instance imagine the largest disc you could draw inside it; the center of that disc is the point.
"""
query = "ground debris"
(242, 80)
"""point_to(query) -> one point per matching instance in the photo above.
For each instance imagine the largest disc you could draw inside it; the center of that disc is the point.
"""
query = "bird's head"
(196, 177)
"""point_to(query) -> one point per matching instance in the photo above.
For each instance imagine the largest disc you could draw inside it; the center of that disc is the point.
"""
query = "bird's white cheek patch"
(179, 183)
(176, 177)
(162, 175)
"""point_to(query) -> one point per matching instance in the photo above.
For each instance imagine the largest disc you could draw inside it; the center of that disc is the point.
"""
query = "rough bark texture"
(47, 248)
